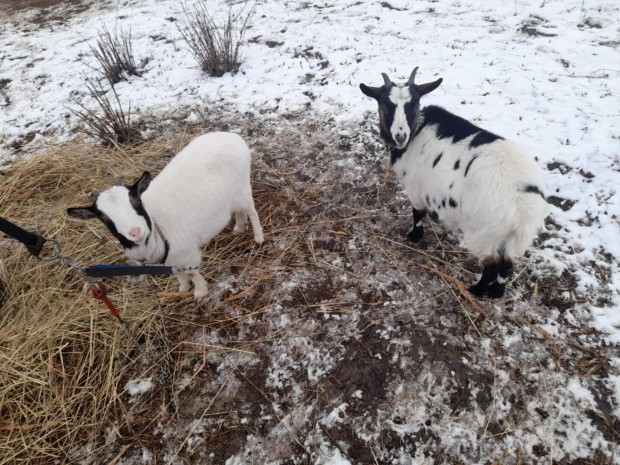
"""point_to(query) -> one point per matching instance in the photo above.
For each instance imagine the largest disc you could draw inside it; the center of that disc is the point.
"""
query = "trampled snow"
(545, 74)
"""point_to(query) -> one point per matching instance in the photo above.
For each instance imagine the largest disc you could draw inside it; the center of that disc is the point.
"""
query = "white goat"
(167, 219)
(471, 180)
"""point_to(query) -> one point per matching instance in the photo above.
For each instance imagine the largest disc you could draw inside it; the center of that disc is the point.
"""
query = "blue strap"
(110, 271)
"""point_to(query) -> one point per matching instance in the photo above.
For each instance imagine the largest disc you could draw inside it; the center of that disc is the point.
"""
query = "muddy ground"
(339, 340)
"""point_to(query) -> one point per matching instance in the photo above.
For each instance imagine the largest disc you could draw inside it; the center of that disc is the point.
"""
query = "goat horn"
(386, 80)
(119, 181)
(94, 195)
(412, 77)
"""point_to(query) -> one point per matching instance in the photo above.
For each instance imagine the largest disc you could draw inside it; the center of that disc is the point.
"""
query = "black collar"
(166, 244)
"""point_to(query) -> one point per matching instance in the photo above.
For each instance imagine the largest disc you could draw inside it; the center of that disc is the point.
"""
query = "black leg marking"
(489, 276)
(505, 268)
(416, 234)
(494, 276)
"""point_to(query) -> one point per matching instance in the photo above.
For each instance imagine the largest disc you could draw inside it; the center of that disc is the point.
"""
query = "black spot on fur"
(469, 164)
(437, 159)
(451, 185)
(433, 216)
(453, 203)
(428, 200)
(448, 124)
(443, 202)
(396, 154)
(531, 189)
(482, 138)
(457, 164)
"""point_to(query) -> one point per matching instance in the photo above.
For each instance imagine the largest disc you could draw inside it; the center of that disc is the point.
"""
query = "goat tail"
(531, 210)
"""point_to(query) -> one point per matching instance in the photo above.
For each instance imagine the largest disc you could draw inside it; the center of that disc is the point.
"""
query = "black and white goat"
(167, 219)
(469, 179)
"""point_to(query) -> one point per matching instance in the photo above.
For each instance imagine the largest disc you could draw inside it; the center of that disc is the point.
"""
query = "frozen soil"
(339, 342)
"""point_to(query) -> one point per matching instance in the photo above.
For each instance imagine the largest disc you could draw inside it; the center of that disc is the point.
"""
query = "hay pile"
(333, 303)
(62, 358)
(65, 360)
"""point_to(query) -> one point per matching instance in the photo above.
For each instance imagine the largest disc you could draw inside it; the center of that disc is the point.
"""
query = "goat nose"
(135, 232)
(400, 138)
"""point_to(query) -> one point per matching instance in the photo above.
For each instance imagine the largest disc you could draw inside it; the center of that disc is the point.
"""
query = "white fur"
(493, 212)
(191, 200)
(400, 95)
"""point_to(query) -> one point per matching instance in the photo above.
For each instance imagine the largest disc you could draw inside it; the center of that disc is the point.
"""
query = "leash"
(92, 274)
(33, 242)
(112, 271)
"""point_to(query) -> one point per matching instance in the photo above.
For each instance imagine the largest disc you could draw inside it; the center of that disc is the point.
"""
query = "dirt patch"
(57, 11)
(336, 336)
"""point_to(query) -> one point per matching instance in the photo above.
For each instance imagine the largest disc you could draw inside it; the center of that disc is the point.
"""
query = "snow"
(136, 387)
(555, 95)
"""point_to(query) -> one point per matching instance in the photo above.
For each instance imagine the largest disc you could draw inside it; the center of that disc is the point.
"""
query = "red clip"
(99, 292)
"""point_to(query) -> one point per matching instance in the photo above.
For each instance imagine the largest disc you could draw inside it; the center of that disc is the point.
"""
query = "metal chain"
(165, 372)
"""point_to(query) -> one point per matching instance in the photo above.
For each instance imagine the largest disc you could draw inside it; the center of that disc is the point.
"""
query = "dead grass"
(64, 359)
(215, 44)
(109, 123)
(114, 52)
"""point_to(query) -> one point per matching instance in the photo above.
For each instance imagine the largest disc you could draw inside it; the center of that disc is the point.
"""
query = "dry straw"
(64, 360)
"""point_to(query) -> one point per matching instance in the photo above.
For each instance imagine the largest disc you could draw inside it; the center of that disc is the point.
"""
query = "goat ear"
(142, 184)
(373, 92)
(81, 213)
(424, 89)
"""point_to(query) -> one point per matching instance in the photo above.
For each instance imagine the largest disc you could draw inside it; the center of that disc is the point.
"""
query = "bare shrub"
(114, 53)
(217, 47)
(111, 125)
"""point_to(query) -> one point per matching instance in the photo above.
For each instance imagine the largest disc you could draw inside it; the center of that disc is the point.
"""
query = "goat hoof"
(495, 290)
(478, 290)
(416, 234)
(200, 295)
